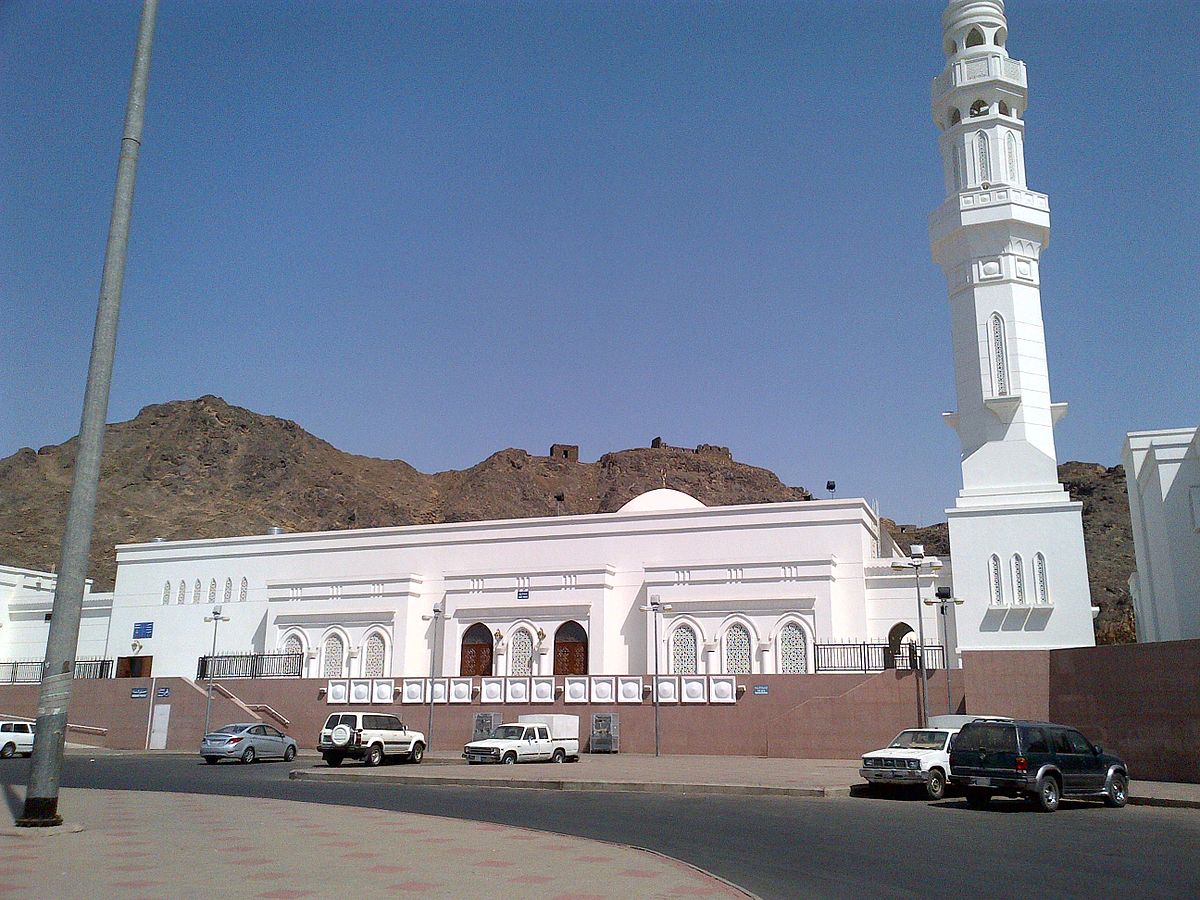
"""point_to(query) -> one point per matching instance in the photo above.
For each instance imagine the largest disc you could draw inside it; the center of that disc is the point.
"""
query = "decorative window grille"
(683, 651)
(793, 650)
(1018, 571)
(167, 594)
(958, 182)
(521, 648)
(335, 657)
(196, 589)
(737, 650)
(243, 591)
(373, 657)
(1012, 158)
(999, 355)
(997, 584)
(182, 593)
(293, 645)
(228, 590)
(1039, 569)
(212, 591)
(985, 166)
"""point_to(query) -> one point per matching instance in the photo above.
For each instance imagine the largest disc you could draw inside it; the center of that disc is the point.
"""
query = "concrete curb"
(737, 790)
(1171, 802)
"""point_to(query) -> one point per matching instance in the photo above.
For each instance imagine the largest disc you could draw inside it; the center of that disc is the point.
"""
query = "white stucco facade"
(26, 600)
(1015, 535)
(1162, 476)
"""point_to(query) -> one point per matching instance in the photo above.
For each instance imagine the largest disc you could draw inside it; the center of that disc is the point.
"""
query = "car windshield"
(509, 732)
(920, 740)
(231, 729)
(987, 736)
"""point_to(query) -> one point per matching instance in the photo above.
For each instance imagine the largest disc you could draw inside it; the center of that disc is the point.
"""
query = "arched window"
(1003, 108)
(950, 47)
(212, 591)
(182, 593)
(899, 637)
(1039, 574)
(1000, 37)
(373, 652)
(737, 650)
(476, 652)
(999, 342)
(167, 594)
(521, 651)
(196, 589)
(793, 650)
(292, 645)
(683, 650)
(995, 579)
(335, 657)
(1018, 577)
(228, 590)
(974, 38)
(245, 589)
(985, 166)
(570, 649)
(955, 117)
(979, 108)
(1011, 144)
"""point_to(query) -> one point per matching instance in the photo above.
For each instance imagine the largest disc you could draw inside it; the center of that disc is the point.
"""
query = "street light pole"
(943, 601)
(216, 618)
(436, 617)
(916, 560)
(656, 608)
(45, 774)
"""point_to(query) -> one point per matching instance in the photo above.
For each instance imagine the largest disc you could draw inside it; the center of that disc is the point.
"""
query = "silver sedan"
(247, 741)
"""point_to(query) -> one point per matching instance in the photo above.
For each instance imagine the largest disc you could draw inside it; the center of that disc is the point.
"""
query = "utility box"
(606, 733)
(560, 726)
(485, 724)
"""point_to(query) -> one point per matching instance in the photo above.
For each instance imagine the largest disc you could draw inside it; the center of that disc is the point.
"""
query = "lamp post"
(216, 618)
(435, 618)
(916, 560)
(944, 599)
(656, 608)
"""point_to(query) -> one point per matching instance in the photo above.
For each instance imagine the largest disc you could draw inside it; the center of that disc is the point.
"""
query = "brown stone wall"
(1140, 701)
(1012, 683)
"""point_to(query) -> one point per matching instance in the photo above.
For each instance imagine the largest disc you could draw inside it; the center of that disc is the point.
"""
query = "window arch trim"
(680, 624)
(376, 631)
(727, 627)
(806, 635)
(997, 336)
(323, 667)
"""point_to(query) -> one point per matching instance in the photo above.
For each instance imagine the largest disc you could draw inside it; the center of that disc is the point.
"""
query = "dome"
(661, 500)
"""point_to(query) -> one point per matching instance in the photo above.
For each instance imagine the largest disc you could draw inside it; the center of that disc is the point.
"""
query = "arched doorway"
(570, 649)
(897, 658)
(476, 656)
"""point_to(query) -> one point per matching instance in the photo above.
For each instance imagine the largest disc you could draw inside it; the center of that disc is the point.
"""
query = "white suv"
(371, 737)
(16, 737)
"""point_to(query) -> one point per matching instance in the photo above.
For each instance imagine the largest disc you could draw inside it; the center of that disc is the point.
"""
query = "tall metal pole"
(921, 652)
(41, 795)
(437, 614)
(657, 731)
(946, 653)
(217, 619)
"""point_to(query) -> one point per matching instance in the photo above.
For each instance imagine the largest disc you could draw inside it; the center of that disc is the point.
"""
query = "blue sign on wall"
(163, 692)
(522, 595)
(761, 689)
(143, 630)
(139, 693)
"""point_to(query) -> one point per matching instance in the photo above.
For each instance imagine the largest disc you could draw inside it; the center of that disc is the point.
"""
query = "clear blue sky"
(430, 231)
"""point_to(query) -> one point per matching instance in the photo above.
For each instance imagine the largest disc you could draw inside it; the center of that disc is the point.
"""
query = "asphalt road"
(776, 847)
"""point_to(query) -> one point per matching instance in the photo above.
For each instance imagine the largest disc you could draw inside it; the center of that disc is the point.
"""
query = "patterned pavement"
(141, 844)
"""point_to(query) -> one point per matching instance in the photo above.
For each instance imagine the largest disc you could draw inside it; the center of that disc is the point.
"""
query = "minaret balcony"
(980, 206)
(975, 70)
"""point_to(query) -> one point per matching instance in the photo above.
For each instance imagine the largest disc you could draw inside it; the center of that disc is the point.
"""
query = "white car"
(371, 737)
(533, 738)
(918, 756)
(16, 737)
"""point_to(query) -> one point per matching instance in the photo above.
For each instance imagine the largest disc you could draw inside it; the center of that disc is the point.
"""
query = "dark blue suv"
(1039, 760)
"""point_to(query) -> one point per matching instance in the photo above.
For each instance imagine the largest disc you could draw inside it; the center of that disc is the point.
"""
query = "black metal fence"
(29, 671)
(250, 665)
(877, 657)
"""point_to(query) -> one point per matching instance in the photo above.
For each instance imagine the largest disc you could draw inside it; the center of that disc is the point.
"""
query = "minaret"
(1016, 538)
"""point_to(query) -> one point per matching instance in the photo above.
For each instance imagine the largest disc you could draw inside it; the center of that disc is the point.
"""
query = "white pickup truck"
(532, 738)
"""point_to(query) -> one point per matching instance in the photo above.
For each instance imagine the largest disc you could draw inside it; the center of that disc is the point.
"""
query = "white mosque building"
(763, 588)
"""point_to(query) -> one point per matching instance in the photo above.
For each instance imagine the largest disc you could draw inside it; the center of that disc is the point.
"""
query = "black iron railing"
(877, 657)
(29, 671)
(250, 665)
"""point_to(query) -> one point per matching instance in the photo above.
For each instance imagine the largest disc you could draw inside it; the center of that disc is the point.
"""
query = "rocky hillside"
(202, 468)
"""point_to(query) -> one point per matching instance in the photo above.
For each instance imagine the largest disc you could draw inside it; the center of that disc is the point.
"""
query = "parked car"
(247, 741)
(916, 756)
(371, 737)
(1041, 761)
(534, 738)
(15, 737)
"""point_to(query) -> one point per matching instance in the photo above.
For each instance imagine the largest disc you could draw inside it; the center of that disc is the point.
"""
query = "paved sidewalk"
(141, 844)
(729, 775)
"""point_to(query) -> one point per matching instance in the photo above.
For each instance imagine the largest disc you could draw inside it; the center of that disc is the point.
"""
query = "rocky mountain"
(202, 469)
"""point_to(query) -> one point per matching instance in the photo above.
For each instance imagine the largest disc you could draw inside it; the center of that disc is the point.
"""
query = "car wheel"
(374, 756)
(510, 759)
(248, 755)
(211, 760)
(290, 753)
(977, 799)
(333, 760)
(935, 787)
(417, 753)
(1048, 794)
(1116, 794)
(559, 756)
(7, 751)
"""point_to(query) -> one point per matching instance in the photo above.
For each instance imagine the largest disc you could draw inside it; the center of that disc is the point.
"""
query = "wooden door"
(570, 650)
(476, 660)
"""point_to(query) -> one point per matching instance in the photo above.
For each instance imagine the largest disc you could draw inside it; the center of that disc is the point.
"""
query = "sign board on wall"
(163, 692)
(139, 693)
(762, 689)
(143, 630)
(522, 594)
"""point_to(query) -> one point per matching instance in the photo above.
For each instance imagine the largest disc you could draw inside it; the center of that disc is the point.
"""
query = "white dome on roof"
(661, 500)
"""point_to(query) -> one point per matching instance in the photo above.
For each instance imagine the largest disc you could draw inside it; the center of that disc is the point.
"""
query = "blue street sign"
(142, 630)
(163, 692)
(139, 693)
(761, 689)
(522, 595)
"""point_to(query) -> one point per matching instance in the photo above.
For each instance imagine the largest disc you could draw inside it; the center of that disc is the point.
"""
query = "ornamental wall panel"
(722, 689)
(516, 690)
(542, 689)
(337, 692)
(491, 690)
(413, 690)
(629, 689)
(666, 688)
(460, 690)
(437, 690)
(383, 690)
(575, 689)
(693, 689)
(604, 689)
(360, 690)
